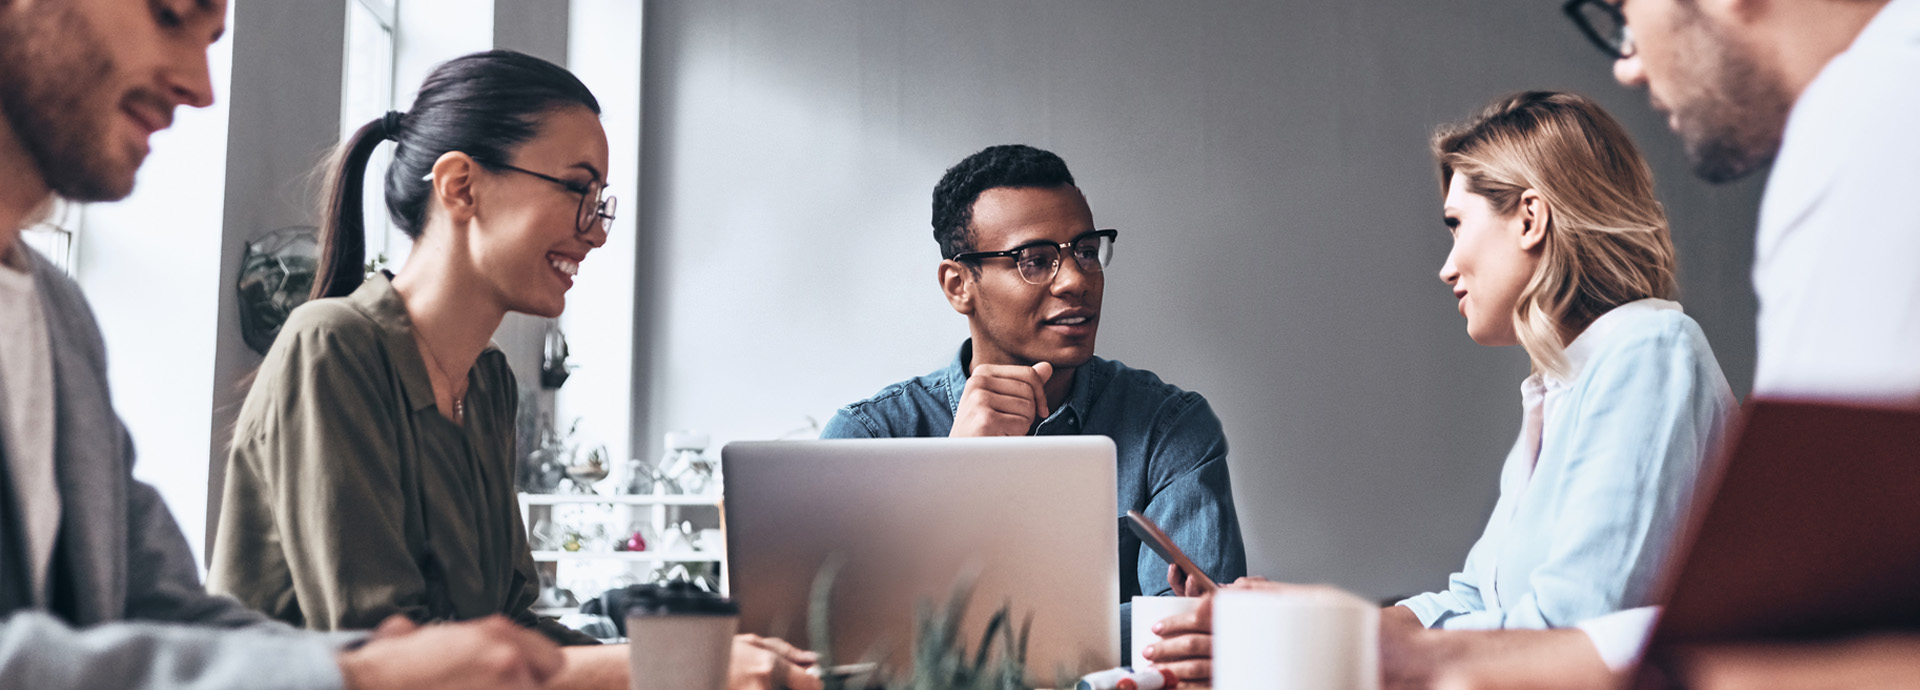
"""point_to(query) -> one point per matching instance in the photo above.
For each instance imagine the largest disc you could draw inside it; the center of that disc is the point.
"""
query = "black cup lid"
(677, 599)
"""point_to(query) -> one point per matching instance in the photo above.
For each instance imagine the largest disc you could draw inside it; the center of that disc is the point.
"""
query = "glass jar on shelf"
(686, 469)
(640, 478)
(546, 467)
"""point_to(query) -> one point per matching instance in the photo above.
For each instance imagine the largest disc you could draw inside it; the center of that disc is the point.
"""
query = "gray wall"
(1266, 163)
(534, 27)
(285, 117)
(537, 28)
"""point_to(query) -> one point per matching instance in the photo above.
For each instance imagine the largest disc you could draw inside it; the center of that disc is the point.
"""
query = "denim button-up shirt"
(1171, 455)
(1589, 507)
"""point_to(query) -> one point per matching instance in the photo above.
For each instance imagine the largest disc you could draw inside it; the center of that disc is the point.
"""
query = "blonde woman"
(1560, 247)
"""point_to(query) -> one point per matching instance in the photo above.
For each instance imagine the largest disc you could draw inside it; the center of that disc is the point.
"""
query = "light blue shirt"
(1582, 531)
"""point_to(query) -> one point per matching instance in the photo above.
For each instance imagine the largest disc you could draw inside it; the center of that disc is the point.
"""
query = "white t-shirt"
(26, 412)
(1837, 258)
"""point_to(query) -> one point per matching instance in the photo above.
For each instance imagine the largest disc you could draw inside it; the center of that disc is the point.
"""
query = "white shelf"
(643, 556)
(621, 499)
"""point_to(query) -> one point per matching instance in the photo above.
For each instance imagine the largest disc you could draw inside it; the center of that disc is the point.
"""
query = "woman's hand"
(1186, 640)
(1186, 643)
(1182, 585)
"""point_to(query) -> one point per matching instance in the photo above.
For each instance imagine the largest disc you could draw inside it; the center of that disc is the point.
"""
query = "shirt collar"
(377, 299)
(1895, 24)
(1073, 412)
(956, 375)
(1594, 339)
(1077, 401)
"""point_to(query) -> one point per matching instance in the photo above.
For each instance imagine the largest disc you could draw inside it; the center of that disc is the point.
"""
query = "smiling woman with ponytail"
(371, 470)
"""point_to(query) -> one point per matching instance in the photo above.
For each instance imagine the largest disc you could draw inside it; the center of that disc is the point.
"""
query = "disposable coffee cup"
(1313, 640)
(679, 638)
(1150, 610)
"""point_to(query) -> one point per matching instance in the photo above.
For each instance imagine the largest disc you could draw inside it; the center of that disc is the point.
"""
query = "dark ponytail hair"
(483, 105)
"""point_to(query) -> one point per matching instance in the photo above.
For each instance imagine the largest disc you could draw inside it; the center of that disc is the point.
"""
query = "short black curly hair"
(1006, 165)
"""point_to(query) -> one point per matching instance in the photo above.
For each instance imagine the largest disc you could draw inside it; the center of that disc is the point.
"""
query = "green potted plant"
(941, 659)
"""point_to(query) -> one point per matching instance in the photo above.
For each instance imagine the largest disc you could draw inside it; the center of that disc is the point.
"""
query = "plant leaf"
(986, 640)
(819, 605)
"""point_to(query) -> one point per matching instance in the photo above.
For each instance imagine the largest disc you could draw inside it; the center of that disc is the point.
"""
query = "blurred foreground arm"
(487, 654)
(1563, 659)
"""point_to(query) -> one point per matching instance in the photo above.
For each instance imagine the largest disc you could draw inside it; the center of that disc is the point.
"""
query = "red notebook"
(1808, 529)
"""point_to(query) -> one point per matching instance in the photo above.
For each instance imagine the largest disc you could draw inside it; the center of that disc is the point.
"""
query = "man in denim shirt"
(1032, 302)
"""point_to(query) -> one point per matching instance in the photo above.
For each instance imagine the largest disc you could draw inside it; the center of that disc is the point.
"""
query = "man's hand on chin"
(1002, 400)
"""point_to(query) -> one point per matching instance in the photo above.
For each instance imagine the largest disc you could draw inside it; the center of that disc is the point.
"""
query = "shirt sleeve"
(328, 464)
(1192, 497)
(1621, 636)
(163, 583)
(176, 636)
(847, 423)
(1650, 412)
(40, 651)
(1461, 596)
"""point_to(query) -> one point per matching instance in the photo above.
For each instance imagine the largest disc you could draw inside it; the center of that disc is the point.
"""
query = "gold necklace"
(459, 396)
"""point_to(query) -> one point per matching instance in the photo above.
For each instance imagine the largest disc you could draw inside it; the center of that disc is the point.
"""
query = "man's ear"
(453, 178)
(956, 281)
(1536, 218)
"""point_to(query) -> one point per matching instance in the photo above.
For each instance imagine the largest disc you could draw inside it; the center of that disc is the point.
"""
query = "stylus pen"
(843, 670)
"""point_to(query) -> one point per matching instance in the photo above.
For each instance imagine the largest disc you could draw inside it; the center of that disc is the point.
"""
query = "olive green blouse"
(350, 498)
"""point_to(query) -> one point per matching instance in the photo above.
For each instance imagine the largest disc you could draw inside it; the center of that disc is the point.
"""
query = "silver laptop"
(1033, 517)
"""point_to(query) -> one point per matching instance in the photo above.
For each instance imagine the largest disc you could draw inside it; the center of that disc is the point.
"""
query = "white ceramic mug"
(1321, 639)
(1150, 610)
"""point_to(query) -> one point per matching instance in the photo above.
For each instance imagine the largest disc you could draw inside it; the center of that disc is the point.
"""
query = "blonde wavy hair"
(1606, 242)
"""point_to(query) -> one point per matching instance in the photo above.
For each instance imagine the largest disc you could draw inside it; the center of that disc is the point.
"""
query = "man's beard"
(52, 65)
(1735, 112)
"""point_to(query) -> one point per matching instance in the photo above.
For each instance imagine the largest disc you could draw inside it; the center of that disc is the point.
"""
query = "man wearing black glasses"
(1026, 265)
(1827, 91)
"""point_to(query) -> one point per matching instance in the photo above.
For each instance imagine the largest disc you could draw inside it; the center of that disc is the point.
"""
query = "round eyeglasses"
(1603, 24)
(600, 210)
(1039, 262)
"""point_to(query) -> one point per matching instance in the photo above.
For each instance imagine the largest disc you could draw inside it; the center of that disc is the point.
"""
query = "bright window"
(54, 237)
(367, 93)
